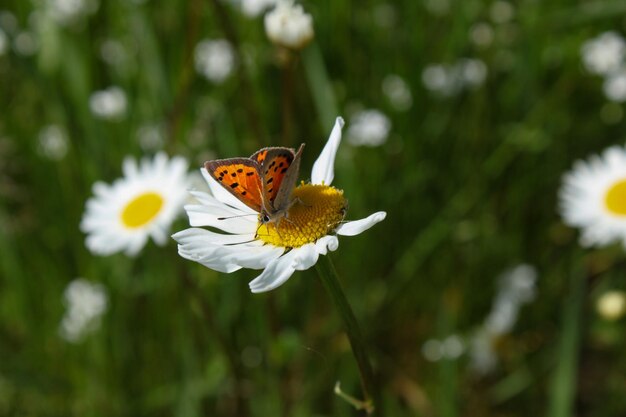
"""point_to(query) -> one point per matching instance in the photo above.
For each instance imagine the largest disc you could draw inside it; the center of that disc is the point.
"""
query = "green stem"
(565, 376)
(328, 275)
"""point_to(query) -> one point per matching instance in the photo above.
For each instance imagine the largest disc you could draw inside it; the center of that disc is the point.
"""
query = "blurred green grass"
(469, 183)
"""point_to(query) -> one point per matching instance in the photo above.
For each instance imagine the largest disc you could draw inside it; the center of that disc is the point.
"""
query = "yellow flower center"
(141, 210)
(615, 198)
(316, 212)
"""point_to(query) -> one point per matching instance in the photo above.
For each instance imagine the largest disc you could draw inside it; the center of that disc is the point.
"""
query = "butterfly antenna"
(233, 217)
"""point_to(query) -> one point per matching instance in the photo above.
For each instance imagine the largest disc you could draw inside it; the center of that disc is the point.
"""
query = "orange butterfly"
(263, 182)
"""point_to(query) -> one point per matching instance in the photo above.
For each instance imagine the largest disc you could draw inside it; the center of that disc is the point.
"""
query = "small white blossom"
(26, 44)
(85, 303)
(151, 137)
(53, 142)
(369, 128)
(398, 92)
(481, 34)
(253, 8)
(214, 59)
(65, 12)
(604, 54)
(448, 80)
(615, 87)
(109, 104)
(288, 25)
(515, 288)
(501, 12)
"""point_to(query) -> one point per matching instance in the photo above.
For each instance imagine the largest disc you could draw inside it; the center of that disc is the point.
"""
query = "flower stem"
(328, 275)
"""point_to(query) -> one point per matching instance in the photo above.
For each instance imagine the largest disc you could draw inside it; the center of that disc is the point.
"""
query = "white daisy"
(593, 198)
(121, 216)
(604, 54)
(309, 231)
(86, 302)
(289, 25)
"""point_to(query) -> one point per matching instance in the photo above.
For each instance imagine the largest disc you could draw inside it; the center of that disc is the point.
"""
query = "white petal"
(327, 243)
(218, 264)
(221, 218)
(356, 227)
(222, 195)
(258, 257)
(307, 256)
(324, 168)
(276, 273)
(208, 237)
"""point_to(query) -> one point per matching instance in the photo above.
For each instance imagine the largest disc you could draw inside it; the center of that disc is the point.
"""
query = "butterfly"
(264, 182)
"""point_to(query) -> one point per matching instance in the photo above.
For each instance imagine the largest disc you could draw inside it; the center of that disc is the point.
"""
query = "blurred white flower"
(53, 142)
(123, 215)
(288, 25)
(4, 42)
(113, 52)
(604, 54)
(473, 72)
(452, 347)
(482, 355)
(253, 8)
(109, 104)
(501, 11)
(368, 128)
(612, 305)
(437, 7)
(448, 80)
(515, 288)
(214, 59)
(86, 302)
(481, 34)
(65, 12)
(8, 22)
(615, 86)
(398, 92)
(151, 137)
(26, 44)
(593, 198)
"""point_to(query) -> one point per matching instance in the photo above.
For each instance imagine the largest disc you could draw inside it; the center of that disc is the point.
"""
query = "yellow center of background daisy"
(142, 209)
(615, 198)
(318, 210)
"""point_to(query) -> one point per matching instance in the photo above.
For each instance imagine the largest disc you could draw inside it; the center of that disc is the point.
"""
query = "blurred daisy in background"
(85, 303)
(593, 198)
(515, 288)
(66, 12)
(123, 215)
(310, 230)
(614, 86)
(109, 104)
(214, 59)
(451, 79)
(397, 92)
(604, 54)
(253, 8)
(53, 142)
(288, 25)
(368, 128)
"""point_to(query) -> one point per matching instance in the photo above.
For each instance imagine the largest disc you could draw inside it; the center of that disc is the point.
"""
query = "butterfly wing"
(240, 176)
(279, 169)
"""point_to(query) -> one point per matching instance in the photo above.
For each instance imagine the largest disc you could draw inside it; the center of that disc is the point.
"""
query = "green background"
(469, 182)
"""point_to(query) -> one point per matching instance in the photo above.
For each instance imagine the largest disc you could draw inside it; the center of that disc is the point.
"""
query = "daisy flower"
(593, 198)
(121, 216)
(310, 230)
